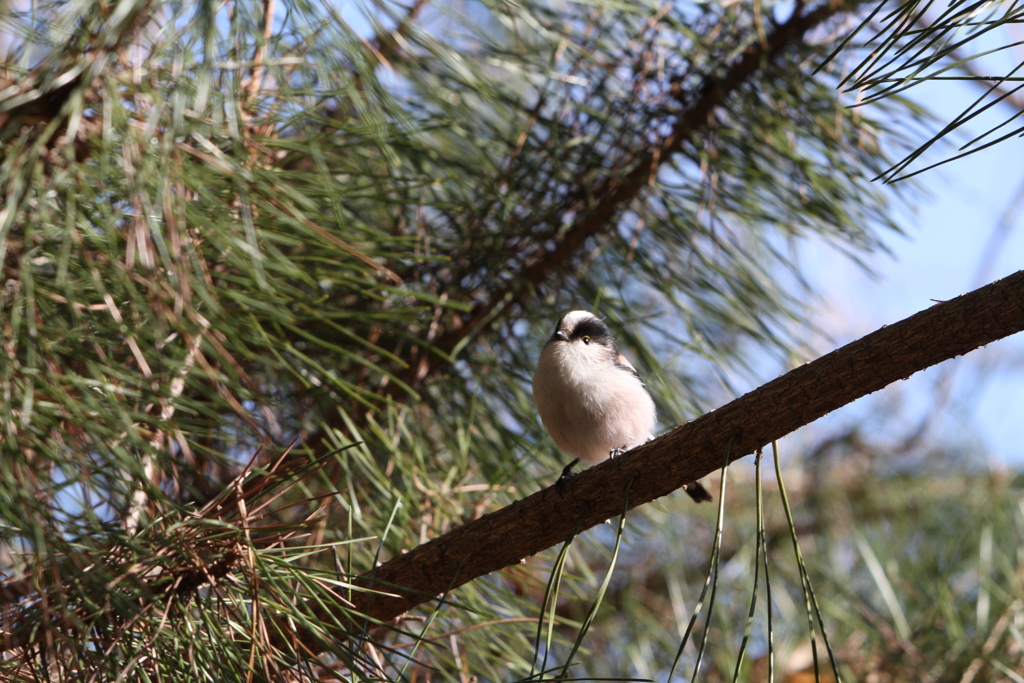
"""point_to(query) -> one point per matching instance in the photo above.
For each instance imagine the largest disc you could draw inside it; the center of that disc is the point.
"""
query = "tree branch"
(615, 192)
(40, 95)
(252, 86)
(696, 449)
(687, 453)
(597, 208)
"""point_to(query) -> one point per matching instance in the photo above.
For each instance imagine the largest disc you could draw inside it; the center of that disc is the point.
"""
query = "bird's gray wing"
(624, 363)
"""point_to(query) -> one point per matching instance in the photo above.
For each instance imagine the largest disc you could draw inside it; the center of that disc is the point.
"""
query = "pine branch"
(255, 81)
(41, 95)
(175, 557)
(548, 517)
(615, 193)
(599, 207)
(990, 84)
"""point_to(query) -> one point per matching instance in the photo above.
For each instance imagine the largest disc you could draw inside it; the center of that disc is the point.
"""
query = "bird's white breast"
(588, 404)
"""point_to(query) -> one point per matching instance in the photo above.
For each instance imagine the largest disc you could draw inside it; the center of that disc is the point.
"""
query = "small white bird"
(590, 399)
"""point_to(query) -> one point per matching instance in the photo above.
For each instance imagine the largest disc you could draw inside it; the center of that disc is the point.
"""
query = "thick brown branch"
(694, 450)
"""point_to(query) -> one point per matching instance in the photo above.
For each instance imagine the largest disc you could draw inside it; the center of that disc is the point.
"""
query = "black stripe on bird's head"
(585, 327)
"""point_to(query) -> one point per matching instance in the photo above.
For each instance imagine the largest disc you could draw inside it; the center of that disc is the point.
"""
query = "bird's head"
(584, 332)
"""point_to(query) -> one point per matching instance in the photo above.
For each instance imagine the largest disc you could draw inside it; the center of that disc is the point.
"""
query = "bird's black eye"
(586, 339)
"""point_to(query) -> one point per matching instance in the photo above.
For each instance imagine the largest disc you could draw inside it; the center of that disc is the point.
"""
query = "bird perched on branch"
(590, 398)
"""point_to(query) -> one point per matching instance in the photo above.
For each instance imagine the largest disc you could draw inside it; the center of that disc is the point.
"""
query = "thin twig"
(255, 81)
(141, 497)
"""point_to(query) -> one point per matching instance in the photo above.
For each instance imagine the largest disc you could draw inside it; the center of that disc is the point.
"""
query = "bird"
(590, 398)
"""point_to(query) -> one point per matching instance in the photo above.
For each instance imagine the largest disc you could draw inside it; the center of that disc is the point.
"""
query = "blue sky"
(939, 258)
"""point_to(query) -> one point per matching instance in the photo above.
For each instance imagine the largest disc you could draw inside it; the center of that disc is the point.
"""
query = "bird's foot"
(696, 491)
(567, 473)
(616, 452)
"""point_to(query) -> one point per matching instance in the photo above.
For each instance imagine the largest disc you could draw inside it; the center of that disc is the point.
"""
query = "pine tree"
(275, 278)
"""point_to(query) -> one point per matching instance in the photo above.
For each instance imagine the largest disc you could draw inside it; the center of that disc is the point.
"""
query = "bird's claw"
(616, 452)
(697, 491)
(567, 473)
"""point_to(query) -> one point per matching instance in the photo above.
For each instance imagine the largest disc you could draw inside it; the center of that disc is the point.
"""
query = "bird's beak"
(559, 336)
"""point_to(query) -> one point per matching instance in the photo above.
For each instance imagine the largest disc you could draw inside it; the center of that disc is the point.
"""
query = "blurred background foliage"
(275, 276)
